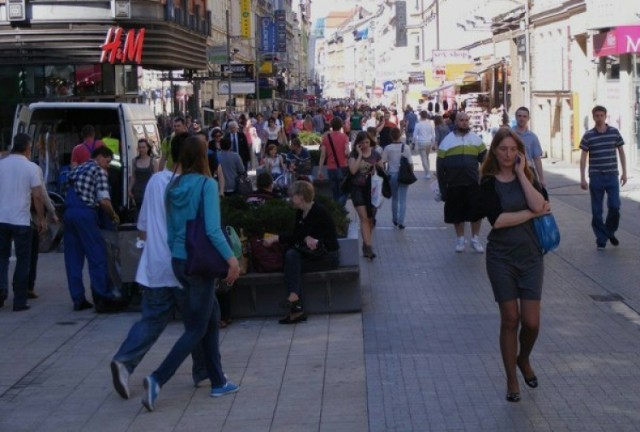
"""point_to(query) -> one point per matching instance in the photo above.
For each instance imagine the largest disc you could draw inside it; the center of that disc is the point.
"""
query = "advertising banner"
(621, 40)
(245, 18)
(267, 35)
(281, 30)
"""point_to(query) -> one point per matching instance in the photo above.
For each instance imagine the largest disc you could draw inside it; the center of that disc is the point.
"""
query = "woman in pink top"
(334, 149)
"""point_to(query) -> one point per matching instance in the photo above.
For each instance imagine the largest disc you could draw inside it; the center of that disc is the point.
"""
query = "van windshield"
(56, 131)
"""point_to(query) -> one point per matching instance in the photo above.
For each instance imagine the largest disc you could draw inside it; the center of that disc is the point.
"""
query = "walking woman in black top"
(314, 229)
(511, 198)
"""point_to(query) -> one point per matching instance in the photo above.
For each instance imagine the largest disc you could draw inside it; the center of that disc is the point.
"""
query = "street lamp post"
(228, 19)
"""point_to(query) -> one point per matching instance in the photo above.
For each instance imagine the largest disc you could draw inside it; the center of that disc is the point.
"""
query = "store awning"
(429, 92)
(483, 67)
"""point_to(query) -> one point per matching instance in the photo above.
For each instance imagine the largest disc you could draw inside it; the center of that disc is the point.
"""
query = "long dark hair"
(193, 157)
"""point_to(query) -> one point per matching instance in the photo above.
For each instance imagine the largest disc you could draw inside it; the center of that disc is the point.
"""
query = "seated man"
(299, 159)
(264, 182)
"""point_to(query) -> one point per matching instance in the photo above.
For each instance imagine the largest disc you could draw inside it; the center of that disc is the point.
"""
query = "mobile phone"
(517, 159)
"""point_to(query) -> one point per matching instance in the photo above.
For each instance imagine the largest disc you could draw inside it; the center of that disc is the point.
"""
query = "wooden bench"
(332, 291)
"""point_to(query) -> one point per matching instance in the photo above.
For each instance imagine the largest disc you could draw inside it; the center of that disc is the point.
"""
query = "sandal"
(513, 397)
(222, 324)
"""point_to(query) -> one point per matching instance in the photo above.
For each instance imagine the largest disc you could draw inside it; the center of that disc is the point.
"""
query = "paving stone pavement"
(422, 356)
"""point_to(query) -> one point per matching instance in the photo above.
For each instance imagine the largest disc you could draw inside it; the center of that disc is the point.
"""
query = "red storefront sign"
(621, 40)
(113, 51)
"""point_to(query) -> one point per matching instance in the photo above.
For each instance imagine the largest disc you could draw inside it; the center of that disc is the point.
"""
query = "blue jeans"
(295, 265)
(398, 199)
(21, 237)
(335, 177)
(201, 315)
(158, 306)
(598, 185)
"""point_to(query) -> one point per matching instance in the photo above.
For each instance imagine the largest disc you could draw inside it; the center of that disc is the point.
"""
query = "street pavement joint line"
(19, 384)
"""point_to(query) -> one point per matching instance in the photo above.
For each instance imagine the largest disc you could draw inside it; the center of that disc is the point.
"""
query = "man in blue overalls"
(88, 193)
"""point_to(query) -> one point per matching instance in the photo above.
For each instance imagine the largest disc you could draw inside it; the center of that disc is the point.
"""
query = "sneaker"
(476, 245)
(614, 240)
(226, 389)
(427, 176)
(120, 376)
(461, 244)
(151, 391)
(600, 247)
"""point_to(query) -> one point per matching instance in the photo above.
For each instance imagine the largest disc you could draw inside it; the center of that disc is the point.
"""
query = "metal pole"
(228, 55)
(257, 69)
(437, 24)
(527, 47)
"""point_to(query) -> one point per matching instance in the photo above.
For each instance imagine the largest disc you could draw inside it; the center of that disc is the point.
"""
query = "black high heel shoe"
(532, 381)
(513, 397)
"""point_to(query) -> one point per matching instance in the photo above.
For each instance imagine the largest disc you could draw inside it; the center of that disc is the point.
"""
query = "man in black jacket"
(239, 142)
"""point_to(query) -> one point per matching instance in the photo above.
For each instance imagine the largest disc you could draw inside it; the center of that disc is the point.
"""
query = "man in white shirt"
(424, 136)
(162, 292)
(20, 182)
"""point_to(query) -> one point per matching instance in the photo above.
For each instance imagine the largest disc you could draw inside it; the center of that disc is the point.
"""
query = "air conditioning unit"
(121, 9)
(17, 10)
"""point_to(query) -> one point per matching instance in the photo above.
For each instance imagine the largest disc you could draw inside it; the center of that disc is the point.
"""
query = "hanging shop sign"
(621, 40)
(119, 47)
(245, 18)
(267, 35)
(281, 30)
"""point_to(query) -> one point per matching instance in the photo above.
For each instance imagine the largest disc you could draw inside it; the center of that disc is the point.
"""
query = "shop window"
(108, 79)
(88, 80)
(59, 81)
(130, 79)
(635, 61)
(613, 68)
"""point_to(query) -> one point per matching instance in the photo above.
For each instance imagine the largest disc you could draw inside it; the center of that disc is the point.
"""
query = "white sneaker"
(460, 244)
(476, 245)
(427, 176)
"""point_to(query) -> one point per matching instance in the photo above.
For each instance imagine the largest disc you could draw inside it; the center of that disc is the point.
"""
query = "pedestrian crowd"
(363, 154)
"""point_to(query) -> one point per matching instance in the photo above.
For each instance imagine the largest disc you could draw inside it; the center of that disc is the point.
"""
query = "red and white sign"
(114, 52)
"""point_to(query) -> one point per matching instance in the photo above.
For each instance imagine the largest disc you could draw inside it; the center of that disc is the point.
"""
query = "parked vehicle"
(55, 128)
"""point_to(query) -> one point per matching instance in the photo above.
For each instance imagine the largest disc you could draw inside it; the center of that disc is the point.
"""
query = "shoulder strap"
(335, 156)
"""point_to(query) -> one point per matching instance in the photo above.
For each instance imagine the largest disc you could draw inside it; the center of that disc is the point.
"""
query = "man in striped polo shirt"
(600, 144)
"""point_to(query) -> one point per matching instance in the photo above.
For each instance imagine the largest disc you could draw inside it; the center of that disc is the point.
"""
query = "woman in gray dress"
(511, 198)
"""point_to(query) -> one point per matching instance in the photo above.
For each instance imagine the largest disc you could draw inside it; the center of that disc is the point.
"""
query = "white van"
(55, 128)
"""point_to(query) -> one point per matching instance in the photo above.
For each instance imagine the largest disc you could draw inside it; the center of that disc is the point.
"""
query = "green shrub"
(274, 216)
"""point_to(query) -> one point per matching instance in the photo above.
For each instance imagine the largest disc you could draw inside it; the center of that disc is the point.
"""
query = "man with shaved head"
(459, 157)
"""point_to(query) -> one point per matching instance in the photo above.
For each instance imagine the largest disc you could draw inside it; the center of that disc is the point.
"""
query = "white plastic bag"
(435, 190)
(376, 190)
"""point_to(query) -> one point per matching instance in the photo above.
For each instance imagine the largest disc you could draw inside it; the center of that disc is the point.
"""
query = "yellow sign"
(266, 68)
(455, 72)
(245, 18)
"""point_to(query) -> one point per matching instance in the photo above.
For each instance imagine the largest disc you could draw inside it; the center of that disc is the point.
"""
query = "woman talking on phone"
(511, 198)
(363, 161)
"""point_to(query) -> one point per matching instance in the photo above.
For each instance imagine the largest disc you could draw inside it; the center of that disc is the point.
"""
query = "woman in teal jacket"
(201, 310)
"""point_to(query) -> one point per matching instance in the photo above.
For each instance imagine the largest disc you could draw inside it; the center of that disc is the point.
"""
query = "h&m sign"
(119, 47)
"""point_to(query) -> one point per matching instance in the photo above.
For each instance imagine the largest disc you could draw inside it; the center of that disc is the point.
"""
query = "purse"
(266, 259)
(203, 258)
(405, 173)
(243, 185)
(345, 183)
(311, 254)
(547, 232)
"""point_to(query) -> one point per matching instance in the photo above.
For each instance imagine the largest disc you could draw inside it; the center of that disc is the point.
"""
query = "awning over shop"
(621, 40)
(429, 92)
(483, 67)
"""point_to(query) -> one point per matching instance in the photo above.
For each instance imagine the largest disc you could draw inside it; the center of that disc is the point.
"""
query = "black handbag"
(243, 185)
(312, 254)
(203, 258)
(405, 173)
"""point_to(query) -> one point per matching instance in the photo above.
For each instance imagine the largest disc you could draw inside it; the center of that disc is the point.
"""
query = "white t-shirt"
(424, 134)
(154, 268)
(18, 175)
(392, 154)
